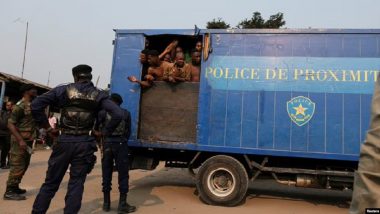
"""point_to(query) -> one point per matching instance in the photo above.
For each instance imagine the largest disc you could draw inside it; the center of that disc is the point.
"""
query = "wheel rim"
(221, 182)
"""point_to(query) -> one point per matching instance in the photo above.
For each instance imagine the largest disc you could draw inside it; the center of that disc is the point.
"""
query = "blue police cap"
(117, 98)
(82, 69)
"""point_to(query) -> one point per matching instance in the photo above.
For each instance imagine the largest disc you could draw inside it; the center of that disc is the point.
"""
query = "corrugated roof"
(9, 77)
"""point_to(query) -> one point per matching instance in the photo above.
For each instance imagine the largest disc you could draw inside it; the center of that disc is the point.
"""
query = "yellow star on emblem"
(300, 110)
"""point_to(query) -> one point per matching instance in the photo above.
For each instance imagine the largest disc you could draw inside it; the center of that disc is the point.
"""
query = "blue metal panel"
(334, 123)
(222, 46)
(236, 45)
(300, 74)
(334, 45)
(317, 45)
(268, 45)
(317, 129)
(153, 32)
(299, 134)
(247, 31)
(252, 151)
(234, 119)
(204, 112)
(301, 45)
(282, 122)
(351, 46)
(284, 45)
(266, 120)
(252, 46)
(292, 31)
(250, 115)
(365, 109)
(378, 46)
(125, 63)
(217, 134)
(326, 132)
(218, 118)
(351, 124)
(368, 46)
(250, 122)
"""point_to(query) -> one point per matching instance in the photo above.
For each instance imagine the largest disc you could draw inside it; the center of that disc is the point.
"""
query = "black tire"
(222, 180)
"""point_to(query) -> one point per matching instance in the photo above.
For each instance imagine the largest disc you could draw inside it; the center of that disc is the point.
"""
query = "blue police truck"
(289, 104)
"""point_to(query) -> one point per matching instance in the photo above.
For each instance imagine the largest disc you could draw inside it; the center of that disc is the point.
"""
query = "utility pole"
(48, 82)
(97, 81)
(26, 41)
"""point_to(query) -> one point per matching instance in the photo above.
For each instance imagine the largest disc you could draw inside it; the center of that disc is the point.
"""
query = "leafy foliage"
(217, 24)
(257, 21)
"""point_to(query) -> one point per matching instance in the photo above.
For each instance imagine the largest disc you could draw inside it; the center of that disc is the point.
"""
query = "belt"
(75, 132)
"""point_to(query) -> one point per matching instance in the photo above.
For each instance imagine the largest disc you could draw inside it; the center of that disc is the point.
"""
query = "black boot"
(107, 202)
(11, 194)
(124, 207)
(19, 191)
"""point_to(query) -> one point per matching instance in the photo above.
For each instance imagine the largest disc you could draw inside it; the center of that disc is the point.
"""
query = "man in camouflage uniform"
(21, 125)
(5, 135)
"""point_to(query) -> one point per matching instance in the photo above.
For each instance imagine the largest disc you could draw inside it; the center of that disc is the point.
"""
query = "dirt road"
(172, 191)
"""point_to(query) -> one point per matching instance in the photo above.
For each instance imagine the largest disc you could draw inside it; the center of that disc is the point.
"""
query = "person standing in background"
(115, 150)
(53, 124)
(24, 131)
(5, 135)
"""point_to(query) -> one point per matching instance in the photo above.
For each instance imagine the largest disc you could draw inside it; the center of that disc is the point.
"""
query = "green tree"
(257, 21)
(217, 24)
(275, 21)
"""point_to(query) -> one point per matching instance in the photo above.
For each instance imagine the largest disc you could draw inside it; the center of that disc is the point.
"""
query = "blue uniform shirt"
(101, 121)
(58, 97)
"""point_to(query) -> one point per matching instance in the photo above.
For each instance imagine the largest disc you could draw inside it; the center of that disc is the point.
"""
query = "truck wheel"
(223, 181)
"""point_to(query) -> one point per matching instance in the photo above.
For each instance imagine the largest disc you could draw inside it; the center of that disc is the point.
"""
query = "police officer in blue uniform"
(115, 148)
(80, 103)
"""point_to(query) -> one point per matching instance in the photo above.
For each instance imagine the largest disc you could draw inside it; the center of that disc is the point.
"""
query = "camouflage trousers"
(366, 192)
(19, 162)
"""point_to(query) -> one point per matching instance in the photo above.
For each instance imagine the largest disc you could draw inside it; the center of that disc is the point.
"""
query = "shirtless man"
(144, 61)
(174, 51)
(147, 66)
(178, 49)
(167, 58)
(195, 65)
(143, 56)
(155, 71)
(198, 46)
(179, 72)
(156, 67)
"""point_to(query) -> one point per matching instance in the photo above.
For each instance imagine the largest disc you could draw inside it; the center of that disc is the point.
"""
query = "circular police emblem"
(300, 110)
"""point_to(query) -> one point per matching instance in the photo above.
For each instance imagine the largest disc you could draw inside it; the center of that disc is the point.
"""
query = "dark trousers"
(117, 152)
(81, 158)
(49, 141)
(5, 145)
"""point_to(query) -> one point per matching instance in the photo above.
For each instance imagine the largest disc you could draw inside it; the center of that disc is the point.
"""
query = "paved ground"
(172, 191)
